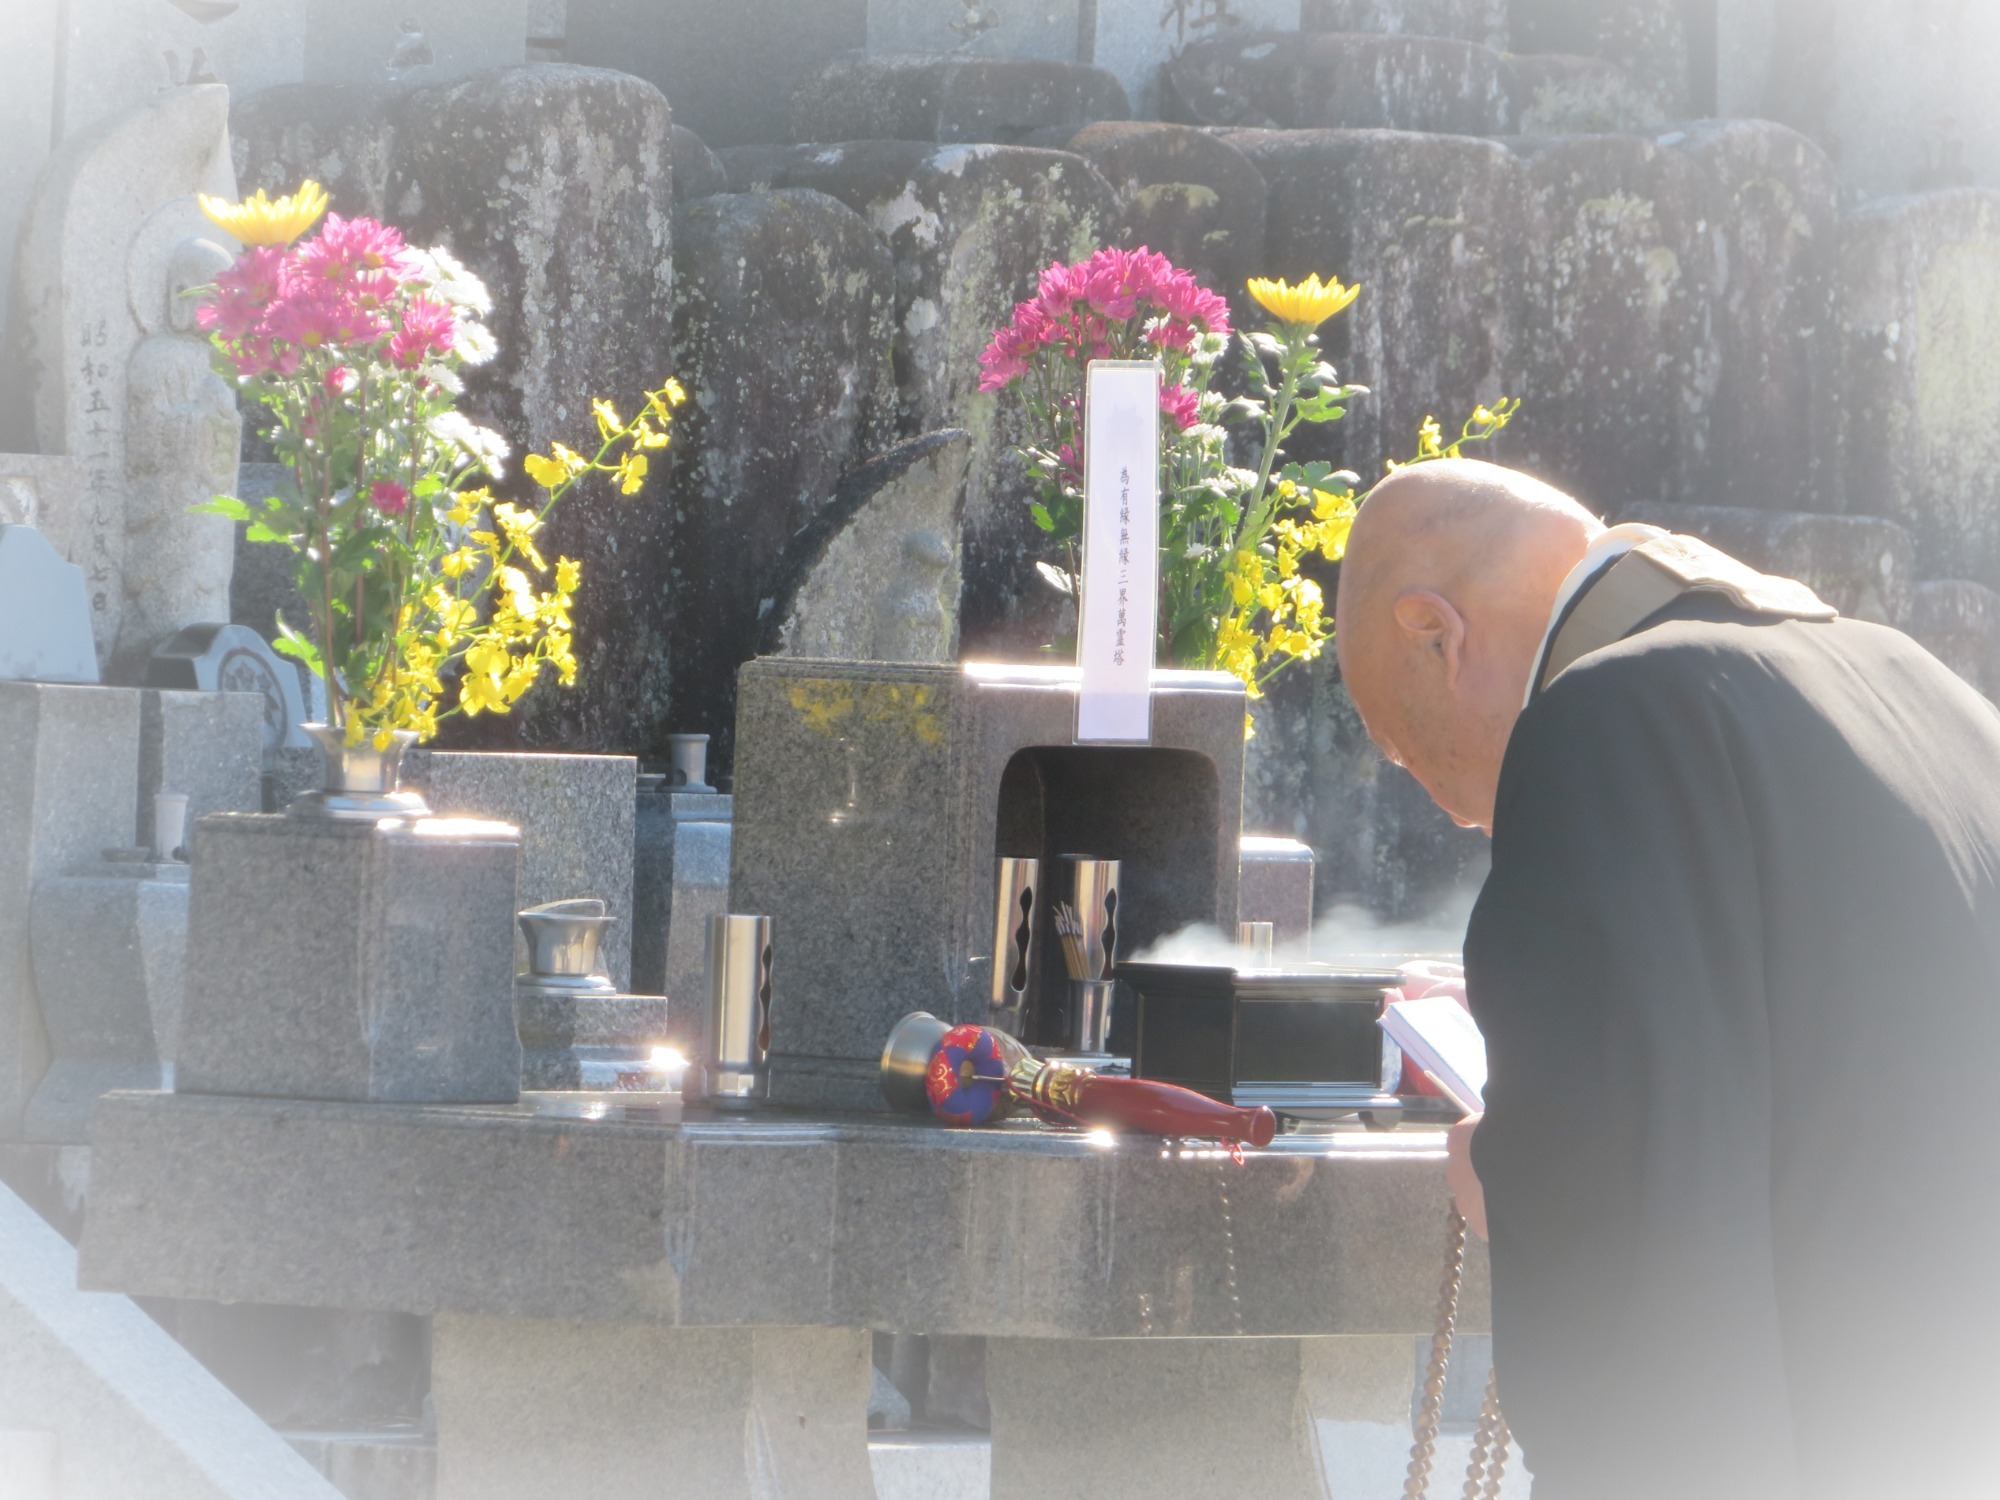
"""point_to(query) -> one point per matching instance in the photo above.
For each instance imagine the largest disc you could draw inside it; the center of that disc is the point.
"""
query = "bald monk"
(1738, 968)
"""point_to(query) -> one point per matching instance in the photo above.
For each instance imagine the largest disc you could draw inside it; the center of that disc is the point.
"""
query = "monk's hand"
(1465, 1189)
(1425, 977)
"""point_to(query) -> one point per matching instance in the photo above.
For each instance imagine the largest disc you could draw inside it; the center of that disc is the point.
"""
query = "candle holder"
(739, 1010)
(1019, 884)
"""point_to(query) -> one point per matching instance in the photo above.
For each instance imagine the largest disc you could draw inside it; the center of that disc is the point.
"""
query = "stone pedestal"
(110, 948)
(680, 877)
(590, 1041)
(871, 803)
(625, 1296)
(72, 761)
(352, 961)
(528, 1408)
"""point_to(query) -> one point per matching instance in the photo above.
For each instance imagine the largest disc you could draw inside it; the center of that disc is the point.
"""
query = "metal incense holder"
(1093, 900)
(564, 938)
(1093, 896)
(1018, 883)
(738, 1044)
(1303, 1040)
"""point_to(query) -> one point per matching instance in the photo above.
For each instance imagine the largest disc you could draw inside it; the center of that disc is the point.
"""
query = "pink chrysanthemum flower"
(321, 318)
(1181, 403)
(347, 249)
(389, 497)
(245, 292)
(428, 328)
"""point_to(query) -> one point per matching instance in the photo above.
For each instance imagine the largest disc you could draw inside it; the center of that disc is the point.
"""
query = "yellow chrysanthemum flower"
(1307, 303)
(262, 220)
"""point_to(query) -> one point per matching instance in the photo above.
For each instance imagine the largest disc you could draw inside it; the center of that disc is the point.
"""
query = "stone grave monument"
(121, 385)
(873, 799)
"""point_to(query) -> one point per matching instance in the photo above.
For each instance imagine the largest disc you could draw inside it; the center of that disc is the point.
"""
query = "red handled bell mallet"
(974, 1075)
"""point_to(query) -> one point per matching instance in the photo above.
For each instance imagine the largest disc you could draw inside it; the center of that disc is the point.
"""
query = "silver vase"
(360, 784)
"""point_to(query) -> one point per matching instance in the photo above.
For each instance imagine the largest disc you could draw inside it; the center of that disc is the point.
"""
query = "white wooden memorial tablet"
(1118, 613)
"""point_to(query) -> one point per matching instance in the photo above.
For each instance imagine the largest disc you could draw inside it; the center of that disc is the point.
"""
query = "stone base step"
(376, 1464)
(932, 1466)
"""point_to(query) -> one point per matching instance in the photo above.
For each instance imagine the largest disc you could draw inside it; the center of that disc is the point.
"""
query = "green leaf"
(222, 505)
(1040, 514)
(257, 531)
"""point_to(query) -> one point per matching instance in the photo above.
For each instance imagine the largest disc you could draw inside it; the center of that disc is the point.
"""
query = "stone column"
(528, 1408)
(1189, 1419)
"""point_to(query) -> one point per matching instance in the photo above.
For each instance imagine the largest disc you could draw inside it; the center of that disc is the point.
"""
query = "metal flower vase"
(360, 784)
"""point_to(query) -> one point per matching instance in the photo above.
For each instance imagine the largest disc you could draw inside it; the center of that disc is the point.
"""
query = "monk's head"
(1445, 594)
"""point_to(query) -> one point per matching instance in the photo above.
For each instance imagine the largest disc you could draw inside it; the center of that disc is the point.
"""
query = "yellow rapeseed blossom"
(632, 473)
(262, 220)
(1304, 304)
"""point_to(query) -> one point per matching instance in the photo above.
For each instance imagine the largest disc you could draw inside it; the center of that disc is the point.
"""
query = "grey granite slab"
(71, 759)
(208, 747)
(575, 813)
(1022, 1231)
(680, 876)
(110, 949)
(351, 961)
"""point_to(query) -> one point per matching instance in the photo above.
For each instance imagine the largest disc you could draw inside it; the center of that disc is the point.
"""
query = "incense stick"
(1070, 930)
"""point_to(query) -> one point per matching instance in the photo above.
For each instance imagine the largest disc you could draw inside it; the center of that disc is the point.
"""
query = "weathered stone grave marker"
(44, 612)
(235, 659)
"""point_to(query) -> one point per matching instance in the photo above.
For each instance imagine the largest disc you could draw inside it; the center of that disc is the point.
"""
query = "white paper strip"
(1118, 617)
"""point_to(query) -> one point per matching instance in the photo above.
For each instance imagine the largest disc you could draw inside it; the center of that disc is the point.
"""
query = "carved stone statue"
(182, 437)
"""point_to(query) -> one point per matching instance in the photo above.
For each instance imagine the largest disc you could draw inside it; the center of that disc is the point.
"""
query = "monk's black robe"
(1738, 968)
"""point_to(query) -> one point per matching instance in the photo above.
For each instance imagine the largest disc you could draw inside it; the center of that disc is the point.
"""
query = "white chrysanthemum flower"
(450, 279)
(444, 376)
(475, 343)
(481, 445)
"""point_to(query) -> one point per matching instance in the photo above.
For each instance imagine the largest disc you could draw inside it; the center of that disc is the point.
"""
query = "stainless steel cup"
(739, 1009)
(1093, 892)
(1090, 1014)
(1019, 886)
(1259, 941)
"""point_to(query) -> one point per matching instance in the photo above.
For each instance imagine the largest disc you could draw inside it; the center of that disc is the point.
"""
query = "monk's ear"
(1430, 623)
